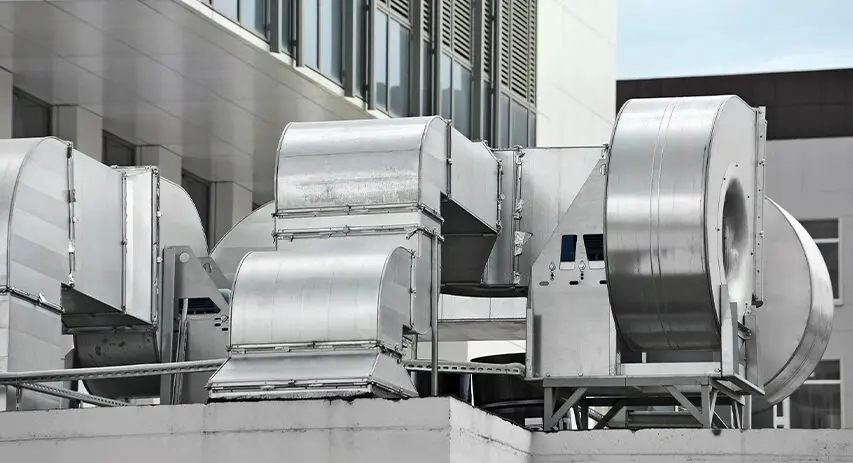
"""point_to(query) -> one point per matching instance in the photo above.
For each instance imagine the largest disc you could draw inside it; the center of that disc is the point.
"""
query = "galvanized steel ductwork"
(365, 214)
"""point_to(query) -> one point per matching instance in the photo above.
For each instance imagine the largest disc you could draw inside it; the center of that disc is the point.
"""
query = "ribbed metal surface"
(795, 322)
(677, 218)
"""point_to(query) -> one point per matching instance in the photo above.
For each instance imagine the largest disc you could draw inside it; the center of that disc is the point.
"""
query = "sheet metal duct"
(347, 294)
(349, 196)
(795, 321)
(679, 218)
(34, 244)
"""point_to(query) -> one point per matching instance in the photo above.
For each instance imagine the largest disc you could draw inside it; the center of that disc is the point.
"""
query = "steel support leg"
(551, 420)
(614, 409)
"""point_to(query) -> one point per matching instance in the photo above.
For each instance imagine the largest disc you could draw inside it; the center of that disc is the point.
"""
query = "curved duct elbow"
(326, 318)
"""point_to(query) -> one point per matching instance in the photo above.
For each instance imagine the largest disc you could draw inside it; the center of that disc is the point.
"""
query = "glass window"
(817, 403)
(825, 234)
(199, 191)
(331, 14)
(518, 124)
(287, 25)
(226, 7)
(310, 45)
(427, 84)
(821, 229)
(462, 99)
(118, 152)
(504, 123)
(380, 59)
(446, 92)
(253, 14)
(398, 69)
(30, 116)
(816, 406)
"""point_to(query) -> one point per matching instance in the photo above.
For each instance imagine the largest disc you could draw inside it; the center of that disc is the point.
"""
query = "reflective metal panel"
(311, 375)
(99, 231)
(355, 163)
(253, 233)
(569, 330)
(316, 290)
(550, 180)
(38, 237)
(474, 179)
(180, 224)
(678, 219)
(795, 322)
(141, 213)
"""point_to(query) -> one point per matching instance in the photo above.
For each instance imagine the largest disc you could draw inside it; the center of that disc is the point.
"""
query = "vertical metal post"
(707, 411)
(497, 86)
(416, 60)
(298, 28)
(274, 25)
(480, 18)
(370, 55)
(166, 327)
(19, 398)
(435, 22)
(746, 414)
(350, 46)
(548, 409)
(436, 288)
(728, 333)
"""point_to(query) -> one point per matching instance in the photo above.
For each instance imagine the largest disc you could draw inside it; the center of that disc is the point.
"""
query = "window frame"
(391, 15)
(783, 420)
(837, 298)
(265, 34)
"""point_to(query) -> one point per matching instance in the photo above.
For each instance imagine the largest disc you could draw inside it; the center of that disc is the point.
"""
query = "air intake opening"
(735, 240)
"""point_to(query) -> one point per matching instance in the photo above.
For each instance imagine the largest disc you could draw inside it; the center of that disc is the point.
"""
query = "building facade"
(809, 165)
(203, 88)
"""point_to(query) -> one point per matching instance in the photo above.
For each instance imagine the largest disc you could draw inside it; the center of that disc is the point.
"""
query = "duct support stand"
(698, 395)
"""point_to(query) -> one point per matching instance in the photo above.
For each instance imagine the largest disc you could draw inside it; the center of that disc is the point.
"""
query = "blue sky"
(665, 38)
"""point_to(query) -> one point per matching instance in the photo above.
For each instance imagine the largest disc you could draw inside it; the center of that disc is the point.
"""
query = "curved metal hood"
(680, 218)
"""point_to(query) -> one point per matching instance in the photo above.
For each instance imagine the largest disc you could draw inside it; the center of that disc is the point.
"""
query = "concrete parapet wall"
(373, 431)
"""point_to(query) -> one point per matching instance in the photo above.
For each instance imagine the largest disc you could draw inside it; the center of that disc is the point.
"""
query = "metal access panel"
(99, 230)
(570, 329)
(142, 231)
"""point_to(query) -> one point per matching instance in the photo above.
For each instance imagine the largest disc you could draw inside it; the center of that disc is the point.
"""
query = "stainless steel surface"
(142, 210)
(34, 250)
(99, 212)
(571, 329)
(253, 233)
(180, 224)
(795, 321)
(550, 182)
(347, 169)
(315, 373)
(464, 318)
(322, 291)
(34, 216)
(679, 218)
